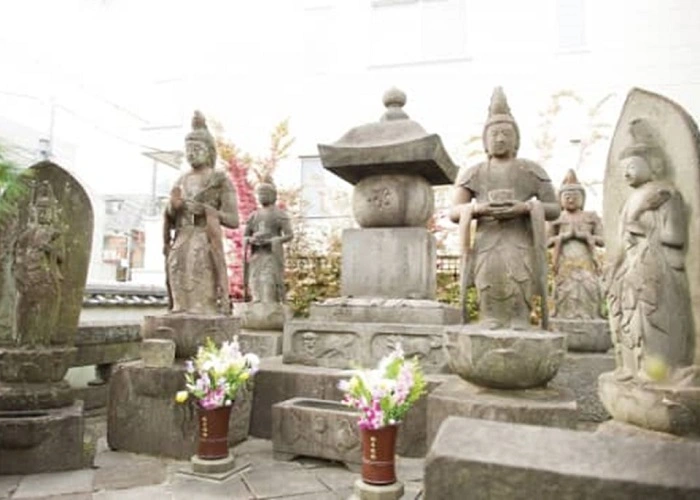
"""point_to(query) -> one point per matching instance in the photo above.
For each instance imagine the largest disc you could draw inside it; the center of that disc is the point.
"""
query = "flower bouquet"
(214, 377)
(383, 395)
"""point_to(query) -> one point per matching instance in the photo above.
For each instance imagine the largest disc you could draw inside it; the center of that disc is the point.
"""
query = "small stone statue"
(648, 293)
(574, 237)
(201, 201)
(513, 197)
(39, 255)
(267, 229)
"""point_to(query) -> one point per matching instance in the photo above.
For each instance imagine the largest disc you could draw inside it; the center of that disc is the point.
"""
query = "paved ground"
(118, 475)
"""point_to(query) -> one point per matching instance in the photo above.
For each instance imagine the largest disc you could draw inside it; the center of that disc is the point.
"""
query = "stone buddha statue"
(201, 201)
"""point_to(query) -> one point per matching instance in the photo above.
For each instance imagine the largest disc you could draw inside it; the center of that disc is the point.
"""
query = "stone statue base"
(504, 359)
(189, 331)
(364, 491)
(369, 329)
(263, 315)
(665, 408)
(584, 335)
(32, 379)
(143, 416)
(43, 441)
(541, 406)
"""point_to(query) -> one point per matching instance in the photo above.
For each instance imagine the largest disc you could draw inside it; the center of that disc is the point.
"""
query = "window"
(417, 31)
(571, 24)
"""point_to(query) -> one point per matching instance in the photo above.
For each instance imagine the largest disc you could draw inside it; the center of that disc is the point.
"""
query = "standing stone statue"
(577, 295)
(648, 293)
(652, 201)
(201, 201)
(513, 198)
(267, 229)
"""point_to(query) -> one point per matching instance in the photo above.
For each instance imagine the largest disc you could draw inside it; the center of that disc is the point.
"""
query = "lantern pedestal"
(364, 491)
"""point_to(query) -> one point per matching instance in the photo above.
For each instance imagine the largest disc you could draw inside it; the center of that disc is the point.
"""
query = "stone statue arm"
(548, 198)
(462, 197)
(228, 211)
(596, 238)
(553, 233)
(286, 232)
(673, 227)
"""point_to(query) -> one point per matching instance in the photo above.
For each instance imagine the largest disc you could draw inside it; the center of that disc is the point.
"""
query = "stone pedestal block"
(381, 310)
(579, 373)
(664, 408)
(265, 344)
(189, 331)
(364, 491)
(276, 382)
(262, 315)
(316, 428)
(483, 460)
(397, 262)
(542, 406)
(584, 335)
(43, 441)
(345, 345)
(158, 352)
(219, 466)
(143, 416)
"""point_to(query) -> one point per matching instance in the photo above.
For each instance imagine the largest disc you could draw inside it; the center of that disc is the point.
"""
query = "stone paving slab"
(8, 484)
(55, 483)
(282, 483)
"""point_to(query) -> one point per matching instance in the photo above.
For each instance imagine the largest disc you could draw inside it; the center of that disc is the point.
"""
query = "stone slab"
(143, 416)
(60, 483)
(316, 428)
(189, 331)
(98, 354)
(229, 468)
(396, 262)
(219, 466)
(158, 352)
(579, 373)
(266, 483)
(262, 315)
(347, 345)
(541, 406)
(43, 441)
(381, 310)
(480, 459)
(584, 335)
(276, 382)
(265, 344)
(364, 491)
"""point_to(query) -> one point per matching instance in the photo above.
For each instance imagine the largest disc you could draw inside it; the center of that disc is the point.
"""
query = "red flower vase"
(213, 433)
(378, 455)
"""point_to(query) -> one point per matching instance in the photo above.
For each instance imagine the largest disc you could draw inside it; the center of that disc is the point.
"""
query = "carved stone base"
(265, 344)
(143, 416)
(456, 397)
(263, 315)
(220, 466)
(504, 359)
(584, 335)
(23, 397)
(316, 428)
(663, 408)
(382, 310)
(346, 345)
(364, 491)
(189, 331)
(43, 441)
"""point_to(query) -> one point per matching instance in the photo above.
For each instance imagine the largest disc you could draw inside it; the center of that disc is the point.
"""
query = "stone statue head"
(501, 136)
(643, 160)
(45, 207)
(572, 196)
(200, 146)
(266, 193)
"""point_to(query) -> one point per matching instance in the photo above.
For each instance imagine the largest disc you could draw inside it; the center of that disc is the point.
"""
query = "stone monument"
(503, 360)
(388, 278)
(45, 251)
(578, 297)
(651, 202)
(263, 317)
(143, 416)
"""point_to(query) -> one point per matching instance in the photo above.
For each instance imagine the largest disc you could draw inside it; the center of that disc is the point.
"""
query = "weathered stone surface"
(364, 491)
(388, 262)
(262, 315)
(659, 407)
(277, 382)
(143, 416)
(504, 359)
(540, 406)
(157, 352)
(393, 200)
(107, 342)
(491, 460)
(42, 441)
(579, 373)
(344, 345)
(316, 428)
(189, 331)
(212, 466)
(265, 344)
(584, 335)
(394, 145)
(382, 310)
